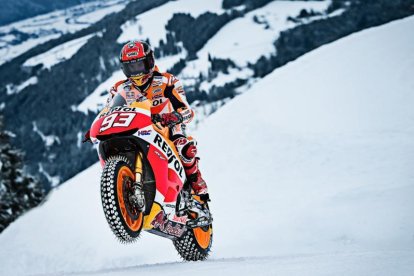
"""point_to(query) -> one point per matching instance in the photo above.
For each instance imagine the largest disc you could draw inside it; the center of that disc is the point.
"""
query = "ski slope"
(310, 173)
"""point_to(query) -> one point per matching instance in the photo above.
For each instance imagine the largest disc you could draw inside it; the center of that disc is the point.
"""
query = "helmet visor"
(135, 68)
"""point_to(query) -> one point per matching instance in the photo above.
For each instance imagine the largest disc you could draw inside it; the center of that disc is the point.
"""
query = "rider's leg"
(187, 150)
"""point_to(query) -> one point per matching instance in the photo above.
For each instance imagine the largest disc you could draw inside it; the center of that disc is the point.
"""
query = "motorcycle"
(143, 183)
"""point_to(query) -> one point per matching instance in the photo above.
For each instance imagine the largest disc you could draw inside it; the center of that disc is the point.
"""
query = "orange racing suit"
(167, 95)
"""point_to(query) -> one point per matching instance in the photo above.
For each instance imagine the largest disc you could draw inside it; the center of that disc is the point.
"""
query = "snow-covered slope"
(262, 25)
(59, 53)
(310, 173)
(19, 37)
(151, 25)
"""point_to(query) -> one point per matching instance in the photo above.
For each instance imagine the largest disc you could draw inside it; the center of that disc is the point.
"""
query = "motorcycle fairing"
(162, 157)
(120, 119)
(168, 169)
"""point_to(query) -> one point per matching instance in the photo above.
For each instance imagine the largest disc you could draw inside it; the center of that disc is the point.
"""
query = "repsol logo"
(124, 109)
(170, 154)
(117, 109)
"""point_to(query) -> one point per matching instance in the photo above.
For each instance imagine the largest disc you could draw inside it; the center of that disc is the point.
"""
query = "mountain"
(56, 67)
(19, 37)
(12, 11)
(309, 175)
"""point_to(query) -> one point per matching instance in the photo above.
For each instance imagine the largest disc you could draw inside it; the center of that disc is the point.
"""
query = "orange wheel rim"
(134, 225)
(203, 237)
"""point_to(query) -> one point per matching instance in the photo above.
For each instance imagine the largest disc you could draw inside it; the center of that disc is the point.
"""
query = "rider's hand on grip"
(156, 118)
(171, 119)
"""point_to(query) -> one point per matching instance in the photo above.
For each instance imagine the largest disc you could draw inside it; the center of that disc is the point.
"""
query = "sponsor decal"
(159, 96)
(130, 95)
(157, 81)
(158, 90)
(157, 102)
(141, 99)
(118, 109)
(186, 114)
(144, 132)
(132, 54)
(182, 220)
(170, 154)
(169, 227)
(159, 155)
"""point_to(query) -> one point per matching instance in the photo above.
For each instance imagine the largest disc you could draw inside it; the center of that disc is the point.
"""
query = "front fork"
(138, 196)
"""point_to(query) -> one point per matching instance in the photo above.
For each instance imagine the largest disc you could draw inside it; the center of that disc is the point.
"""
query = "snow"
(310, 172)
(166, 63)
(231, 42)
(263, 27)
(222, 78)
(12, 89)
(97, 99)
(52, 25)
(59, 53)
(49, 140)
(151, 24)
(53, 180)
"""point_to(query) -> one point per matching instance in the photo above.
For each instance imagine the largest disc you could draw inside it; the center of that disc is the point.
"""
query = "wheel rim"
(203, 237)
(125, 176)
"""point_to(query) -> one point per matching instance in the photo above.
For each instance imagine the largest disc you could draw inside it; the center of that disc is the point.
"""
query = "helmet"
(137, 61)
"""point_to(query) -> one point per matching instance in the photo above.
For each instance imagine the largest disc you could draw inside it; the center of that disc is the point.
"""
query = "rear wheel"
(116, 187)
(195, 244)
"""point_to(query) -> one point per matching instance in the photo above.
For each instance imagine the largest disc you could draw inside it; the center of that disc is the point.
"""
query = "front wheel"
(116, 187)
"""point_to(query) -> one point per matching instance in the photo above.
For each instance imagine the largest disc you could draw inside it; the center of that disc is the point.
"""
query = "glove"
(168, 119)
(155, 118)
(87, 137)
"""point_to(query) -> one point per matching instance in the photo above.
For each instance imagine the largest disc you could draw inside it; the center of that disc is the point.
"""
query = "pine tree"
(18, 192)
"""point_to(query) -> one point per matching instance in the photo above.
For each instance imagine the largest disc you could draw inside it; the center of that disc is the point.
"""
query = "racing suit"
(168, 98)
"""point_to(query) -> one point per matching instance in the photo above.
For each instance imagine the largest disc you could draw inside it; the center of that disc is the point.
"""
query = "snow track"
(371, 263)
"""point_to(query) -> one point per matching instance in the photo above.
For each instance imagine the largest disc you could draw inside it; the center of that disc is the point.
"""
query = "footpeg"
(200, 222)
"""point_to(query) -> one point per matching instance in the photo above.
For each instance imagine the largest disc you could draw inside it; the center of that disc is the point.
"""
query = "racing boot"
(197, 182)
(198, 208)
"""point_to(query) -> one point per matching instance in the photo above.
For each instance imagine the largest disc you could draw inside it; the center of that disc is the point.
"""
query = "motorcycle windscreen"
(118, 100)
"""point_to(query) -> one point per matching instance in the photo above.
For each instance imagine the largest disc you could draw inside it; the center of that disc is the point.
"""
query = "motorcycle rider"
(169, 104)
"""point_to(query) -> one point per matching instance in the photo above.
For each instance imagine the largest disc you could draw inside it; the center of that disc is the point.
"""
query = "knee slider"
(186, 148)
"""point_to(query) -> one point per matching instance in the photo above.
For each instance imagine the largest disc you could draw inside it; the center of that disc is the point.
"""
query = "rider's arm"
(175, 93)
